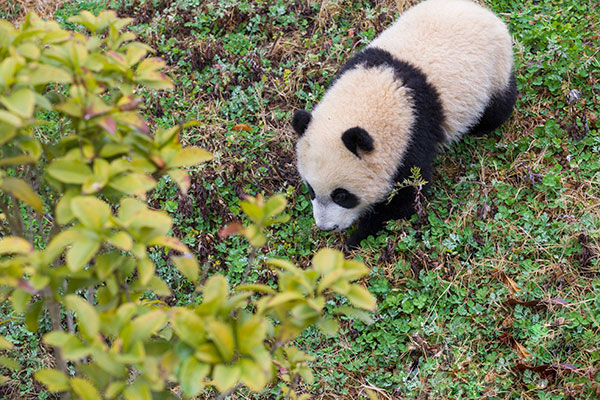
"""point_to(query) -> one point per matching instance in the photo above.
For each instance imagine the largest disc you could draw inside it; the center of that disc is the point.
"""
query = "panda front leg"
(400, 206)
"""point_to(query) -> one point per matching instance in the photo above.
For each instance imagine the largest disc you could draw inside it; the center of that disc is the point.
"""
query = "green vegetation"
(494, 292)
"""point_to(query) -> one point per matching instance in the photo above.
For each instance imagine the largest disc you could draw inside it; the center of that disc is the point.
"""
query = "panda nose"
(329, 229)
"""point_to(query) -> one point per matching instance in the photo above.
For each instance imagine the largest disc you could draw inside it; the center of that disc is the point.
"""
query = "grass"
(494, 294)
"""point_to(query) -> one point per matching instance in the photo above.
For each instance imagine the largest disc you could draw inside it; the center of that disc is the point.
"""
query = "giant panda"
(442, 70)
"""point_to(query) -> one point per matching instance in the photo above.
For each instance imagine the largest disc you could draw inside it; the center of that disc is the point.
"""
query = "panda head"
(334, 181)
(350, 146)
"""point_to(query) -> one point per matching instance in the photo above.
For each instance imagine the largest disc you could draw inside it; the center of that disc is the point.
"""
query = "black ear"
(357, 138)
(300, 121)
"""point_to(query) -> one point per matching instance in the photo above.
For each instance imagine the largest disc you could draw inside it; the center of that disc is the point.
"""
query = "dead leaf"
(541, 303)
(242, 127)
(502, 277)
(233, 228)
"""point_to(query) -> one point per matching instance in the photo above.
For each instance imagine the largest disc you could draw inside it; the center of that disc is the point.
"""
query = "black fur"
(425, 135)
(357, 138)
(498, 109)
(300, 121)
(344, 198)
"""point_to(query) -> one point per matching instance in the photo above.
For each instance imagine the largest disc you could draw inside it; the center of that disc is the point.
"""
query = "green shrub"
(78, 233)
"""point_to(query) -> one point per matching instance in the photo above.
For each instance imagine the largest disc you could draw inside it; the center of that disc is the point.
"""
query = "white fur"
(465, 52)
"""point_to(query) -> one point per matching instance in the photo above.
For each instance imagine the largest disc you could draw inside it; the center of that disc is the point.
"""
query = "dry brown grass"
(16, 10)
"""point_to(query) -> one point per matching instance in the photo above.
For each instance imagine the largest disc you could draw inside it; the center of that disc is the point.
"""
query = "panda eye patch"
(344, 198)
(311, 192)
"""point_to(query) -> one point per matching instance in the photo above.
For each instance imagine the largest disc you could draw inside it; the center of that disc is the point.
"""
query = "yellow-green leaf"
(226, 377)
(69, 171)
(81, 252)
(189, 156)
(222, 336)
(14, 244)
(45, 73)
(9, 363)
(5, 344)
(87, 317)
(361, 298)
(187, 265)
(90, 211)
(20, 102)
(22, 191)
(146, 270)
(169, 242)
(327, 260)
(85, 389)
(188, 326)
(132, 183)
(252, 375)
(138, 391)
(181, 178)
(55, 380)
(143, 327)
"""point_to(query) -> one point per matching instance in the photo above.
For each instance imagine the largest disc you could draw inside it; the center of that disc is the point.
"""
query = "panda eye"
(344, 198)
(311, 192)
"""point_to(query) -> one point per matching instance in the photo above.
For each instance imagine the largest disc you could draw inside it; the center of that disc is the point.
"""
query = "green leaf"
(55, 380)
(226, 377)
(90, 211)
(87, 317)
(13, 244)
(191, 376)
(20, 102)
(361, 298)
(32, 316)
(81, 252)
(328, 326)
(85, 389)
(138, 391)
(351, 312)
(222, 336)
(187, 265)
(143, 327)
(189, 156)
(275, 205)
(71, 347)
(69, 171)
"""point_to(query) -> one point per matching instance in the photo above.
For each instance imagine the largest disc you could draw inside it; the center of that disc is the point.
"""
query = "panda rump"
(442, 70)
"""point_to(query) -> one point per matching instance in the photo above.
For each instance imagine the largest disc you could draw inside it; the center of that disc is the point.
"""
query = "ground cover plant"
(494, 292)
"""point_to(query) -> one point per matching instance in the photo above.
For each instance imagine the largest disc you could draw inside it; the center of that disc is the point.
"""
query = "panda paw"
(353, 243)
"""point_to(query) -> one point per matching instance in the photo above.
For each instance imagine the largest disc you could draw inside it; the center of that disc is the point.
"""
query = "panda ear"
(357, 138)
(300, 121)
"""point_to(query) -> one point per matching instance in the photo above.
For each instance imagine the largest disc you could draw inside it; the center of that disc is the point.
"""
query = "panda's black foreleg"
(498, 110)
(400, 206)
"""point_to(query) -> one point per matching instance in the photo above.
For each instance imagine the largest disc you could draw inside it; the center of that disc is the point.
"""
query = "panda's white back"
(464, 50)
